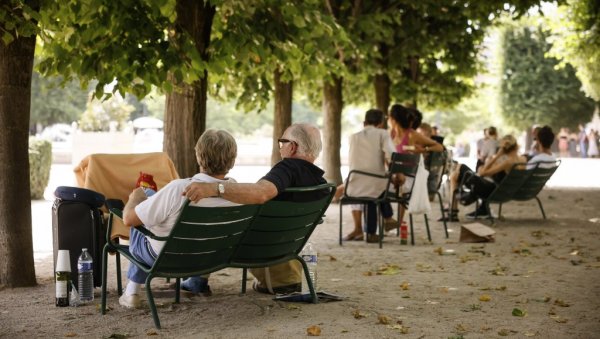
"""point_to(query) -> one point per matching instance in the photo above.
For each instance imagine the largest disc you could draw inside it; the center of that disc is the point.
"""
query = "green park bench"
(205, 240)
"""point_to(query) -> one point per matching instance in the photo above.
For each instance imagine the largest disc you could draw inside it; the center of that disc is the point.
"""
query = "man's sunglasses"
(285, 141)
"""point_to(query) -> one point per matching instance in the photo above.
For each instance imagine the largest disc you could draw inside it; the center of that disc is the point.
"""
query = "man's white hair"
(308, 138)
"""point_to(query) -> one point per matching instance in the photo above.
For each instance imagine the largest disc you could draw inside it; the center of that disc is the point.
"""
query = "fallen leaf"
(485, 297)
(518, 313)
(503, 332)
(368, 273)
(358, 314)
(530, 334)
(575, 252)
(559, 319)
(314, 331)
(399, 327)
(460, 328)
(70, 335)
(293, 307)
(151, 332)
(388, 270)
(439, 251)
(383, 319)
(404, 286)
(561, 303)
(332, 258)
(118, 336)
(552, 311)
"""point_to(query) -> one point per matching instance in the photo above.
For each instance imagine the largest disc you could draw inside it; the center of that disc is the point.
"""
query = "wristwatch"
(220, 189)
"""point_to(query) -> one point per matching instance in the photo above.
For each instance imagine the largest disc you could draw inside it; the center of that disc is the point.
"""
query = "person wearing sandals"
(216, 151)
(370, 150)
(488, 176)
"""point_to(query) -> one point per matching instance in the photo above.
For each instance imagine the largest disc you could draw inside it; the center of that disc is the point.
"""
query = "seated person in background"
(215, 153)
(487, 178)
(404, 121)
(545, 138)
(299, 146)
(533, 150)
(370, 150)
(435, 135)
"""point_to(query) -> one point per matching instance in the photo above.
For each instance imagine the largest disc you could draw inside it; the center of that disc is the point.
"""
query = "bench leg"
(104, 278)
(119, 283)
(541, 207)
(245, 276)
(177, 290)
(341, 205)
(313, 294)
(427, 227)
(412, 231)
(151, 302)
(443, 213)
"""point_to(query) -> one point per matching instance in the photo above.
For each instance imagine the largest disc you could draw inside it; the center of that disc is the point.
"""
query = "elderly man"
(299, 146)
(215, 152)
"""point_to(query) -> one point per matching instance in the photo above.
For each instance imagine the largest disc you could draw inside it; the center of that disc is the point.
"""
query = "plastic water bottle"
(309, 255)
(85, 269)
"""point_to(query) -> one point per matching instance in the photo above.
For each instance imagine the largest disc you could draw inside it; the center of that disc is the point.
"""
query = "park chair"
(202, 241)
(363, 200)
(281, 229)
(436, 165)
(407, 164)
(533, 185)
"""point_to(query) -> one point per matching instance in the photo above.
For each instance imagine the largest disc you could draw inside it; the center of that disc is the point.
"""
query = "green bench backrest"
(536, 182)
(204, 238)
(511, 183)
(281, 229)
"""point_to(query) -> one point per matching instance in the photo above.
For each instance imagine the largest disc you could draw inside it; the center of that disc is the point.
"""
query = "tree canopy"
(533, 90)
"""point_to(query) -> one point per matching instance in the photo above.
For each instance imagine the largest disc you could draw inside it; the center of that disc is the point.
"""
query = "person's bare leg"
(339, 191)
(357, 232)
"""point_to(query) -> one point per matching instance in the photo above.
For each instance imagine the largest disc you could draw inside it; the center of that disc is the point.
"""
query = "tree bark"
(16, 244)
(185, 109)
(382, 92)
(332, 129)
(282, 115)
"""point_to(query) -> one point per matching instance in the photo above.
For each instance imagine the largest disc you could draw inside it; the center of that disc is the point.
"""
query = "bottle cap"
(63, 261)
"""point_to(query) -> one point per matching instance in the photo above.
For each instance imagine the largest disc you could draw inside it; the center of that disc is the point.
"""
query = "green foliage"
(51, 103)
(129, 44)
(40, 161)
(576, 40)
(252, 39)
(17, 19)
(99, 115)
(533, 90)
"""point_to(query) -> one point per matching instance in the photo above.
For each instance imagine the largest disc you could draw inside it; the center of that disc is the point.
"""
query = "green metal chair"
(202, 241)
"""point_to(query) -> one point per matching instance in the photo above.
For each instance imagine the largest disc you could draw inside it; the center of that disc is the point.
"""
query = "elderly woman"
(487, 178)
(216, 151)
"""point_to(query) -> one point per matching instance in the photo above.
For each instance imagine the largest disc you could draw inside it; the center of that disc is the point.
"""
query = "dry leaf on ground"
(485, 297)
(383, 319)
(314, 331)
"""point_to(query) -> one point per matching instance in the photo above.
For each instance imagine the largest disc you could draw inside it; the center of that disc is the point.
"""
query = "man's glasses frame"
(285, 141)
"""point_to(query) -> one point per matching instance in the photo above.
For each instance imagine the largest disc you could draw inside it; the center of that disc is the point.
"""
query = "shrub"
(40, 160)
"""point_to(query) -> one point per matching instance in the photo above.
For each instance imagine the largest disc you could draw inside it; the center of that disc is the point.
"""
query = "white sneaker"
(130, 301)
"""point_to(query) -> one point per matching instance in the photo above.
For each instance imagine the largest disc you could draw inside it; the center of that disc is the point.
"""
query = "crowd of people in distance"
(583, 144)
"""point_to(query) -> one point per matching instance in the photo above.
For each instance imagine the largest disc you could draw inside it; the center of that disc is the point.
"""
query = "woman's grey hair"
(216, 151)
(308, 138)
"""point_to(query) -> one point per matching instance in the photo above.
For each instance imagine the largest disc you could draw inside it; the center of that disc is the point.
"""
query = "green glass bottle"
(63, 286)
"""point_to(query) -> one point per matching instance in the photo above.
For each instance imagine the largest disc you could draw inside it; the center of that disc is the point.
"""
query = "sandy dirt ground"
(540, 278)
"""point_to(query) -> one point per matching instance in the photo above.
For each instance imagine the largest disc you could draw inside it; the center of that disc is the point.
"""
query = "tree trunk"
(185, 110)
(382, 92)
(282, 116)
(332, 129)
(16, 245)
